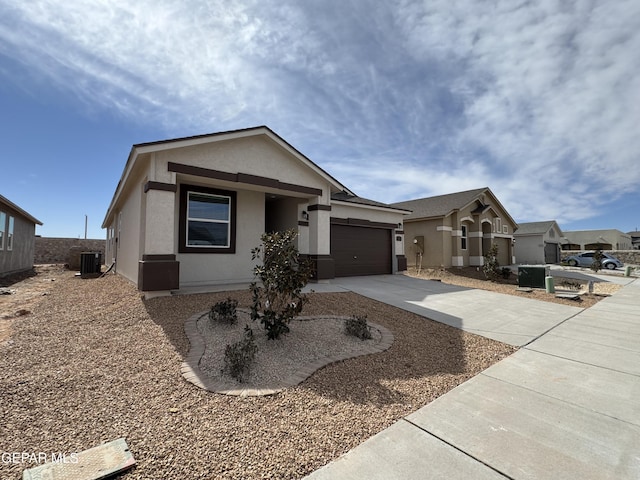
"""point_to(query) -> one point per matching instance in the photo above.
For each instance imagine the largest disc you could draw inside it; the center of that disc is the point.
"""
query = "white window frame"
(497, 224)
(505, 229)
(10, 233)
(3, 229)
(189, 218)
(463, 237)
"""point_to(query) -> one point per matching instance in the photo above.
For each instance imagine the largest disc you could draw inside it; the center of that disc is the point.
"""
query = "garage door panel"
(360, 250)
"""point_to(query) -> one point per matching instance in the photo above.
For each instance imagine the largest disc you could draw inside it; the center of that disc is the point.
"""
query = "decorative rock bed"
(313, 342)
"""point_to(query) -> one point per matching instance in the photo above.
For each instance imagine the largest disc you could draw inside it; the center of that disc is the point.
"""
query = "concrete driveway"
(506, 318)
(563, 407)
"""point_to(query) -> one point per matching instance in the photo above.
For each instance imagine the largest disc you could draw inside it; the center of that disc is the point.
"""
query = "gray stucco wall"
(21, 256)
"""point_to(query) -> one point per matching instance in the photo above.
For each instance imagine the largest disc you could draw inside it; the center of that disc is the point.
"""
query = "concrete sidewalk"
(506, 318)
(566, 406)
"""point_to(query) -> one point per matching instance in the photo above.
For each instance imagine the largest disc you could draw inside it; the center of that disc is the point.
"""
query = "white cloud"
(535, 99)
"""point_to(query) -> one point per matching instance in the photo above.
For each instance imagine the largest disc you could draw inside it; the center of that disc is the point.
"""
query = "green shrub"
(239, 356)
(490, 267)
(224, 312)
(278, 298)
(358, 327)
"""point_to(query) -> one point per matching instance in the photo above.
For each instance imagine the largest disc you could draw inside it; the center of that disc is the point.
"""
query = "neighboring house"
(591, 239)
(17, 237)
(188, 211)
(635, 240)
(538, 243)
(457, 229)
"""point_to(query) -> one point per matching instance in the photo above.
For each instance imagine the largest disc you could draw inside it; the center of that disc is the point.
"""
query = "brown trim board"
(241, 178)
(317, 206)
(167, 187)
(361, 222)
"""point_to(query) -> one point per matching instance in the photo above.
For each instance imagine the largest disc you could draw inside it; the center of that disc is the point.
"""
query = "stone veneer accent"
(191, 371)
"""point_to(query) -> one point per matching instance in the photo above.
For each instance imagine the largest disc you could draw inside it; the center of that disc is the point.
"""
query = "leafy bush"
(358, 327)
(490, 267)
(506, 272)
(283, 274)
(224, 312)
(239, 356)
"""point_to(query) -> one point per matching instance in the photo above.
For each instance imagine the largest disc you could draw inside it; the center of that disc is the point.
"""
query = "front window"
(207, 220)
(10, 234)
(464, 237)
(3, 221)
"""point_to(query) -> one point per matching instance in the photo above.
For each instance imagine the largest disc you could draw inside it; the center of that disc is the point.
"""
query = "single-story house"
(188, 211)
(538, 242)
(17, 238)
(457, 229)
(611, 239)
(635, 239)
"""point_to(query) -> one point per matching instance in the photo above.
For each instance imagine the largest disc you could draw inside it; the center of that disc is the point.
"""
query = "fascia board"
(371, 207)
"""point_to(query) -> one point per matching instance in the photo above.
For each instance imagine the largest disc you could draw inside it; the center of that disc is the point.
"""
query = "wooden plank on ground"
(97, 463)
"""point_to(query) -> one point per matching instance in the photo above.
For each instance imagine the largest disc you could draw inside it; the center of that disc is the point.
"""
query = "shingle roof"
(532, 228)
(440, 205)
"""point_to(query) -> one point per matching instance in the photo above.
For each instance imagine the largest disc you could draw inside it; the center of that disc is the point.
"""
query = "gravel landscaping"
(93, 362)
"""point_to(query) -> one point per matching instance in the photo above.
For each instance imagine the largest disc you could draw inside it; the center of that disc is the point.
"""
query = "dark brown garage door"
(360, 250)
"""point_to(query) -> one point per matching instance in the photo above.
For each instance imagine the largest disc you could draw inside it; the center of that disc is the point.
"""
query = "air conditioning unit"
(90, 264)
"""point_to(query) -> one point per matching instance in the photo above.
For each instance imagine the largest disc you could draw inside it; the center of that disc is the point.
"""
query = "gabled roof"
(13, 206)
(444, 205)
(149, 147)
(536, 228)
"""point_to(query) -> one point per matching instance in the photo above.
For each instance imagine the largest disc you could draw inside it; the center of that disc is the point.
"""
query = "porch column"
(158, 268)
(320, 240)
(476, 259)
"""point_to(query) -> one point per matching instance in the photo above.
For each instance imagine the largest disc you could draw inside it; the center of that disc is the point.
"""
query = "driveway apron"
(506, 318)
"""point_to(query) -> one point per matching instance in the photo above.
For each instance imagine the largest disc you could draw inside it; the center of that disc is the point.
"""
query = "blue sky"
(538, 100)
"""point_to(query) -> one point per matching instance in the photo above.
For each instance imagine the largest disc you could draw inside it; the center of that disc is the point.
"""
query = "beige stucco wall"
(128, 231)
(254, 155)
(434, 246)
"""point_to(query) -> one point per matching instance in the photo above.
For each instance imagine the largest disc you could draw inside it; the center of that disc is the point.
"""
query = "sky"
(537, 100)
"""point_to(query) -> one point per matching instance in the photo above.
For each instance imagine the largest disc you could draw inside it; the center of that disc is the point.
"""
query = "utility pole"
(85, 226)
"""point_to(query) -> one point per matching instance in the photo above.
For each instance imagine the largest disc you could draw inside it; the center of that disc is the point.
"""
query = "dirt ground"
(19, 293)
(473, 277)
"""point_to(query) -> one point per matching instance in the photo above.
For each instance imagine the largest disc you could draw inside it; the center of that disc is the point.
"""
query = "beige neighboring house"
(591, 239)
(538, 243)
(457, 229)
(188, 211)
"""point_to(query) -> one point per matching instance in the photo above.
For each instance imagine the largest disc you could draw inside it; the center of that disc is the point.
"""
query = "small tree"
(490, 266)
(597, 260)
(283, 274)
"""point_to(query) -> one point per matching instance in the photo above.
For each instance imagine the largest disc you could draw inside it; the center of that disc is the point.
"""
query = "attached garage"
(360, 250)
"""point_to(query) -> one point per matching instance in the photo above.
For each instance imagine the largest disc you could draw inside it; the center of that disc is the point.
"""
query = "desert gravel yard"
(93, 362)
